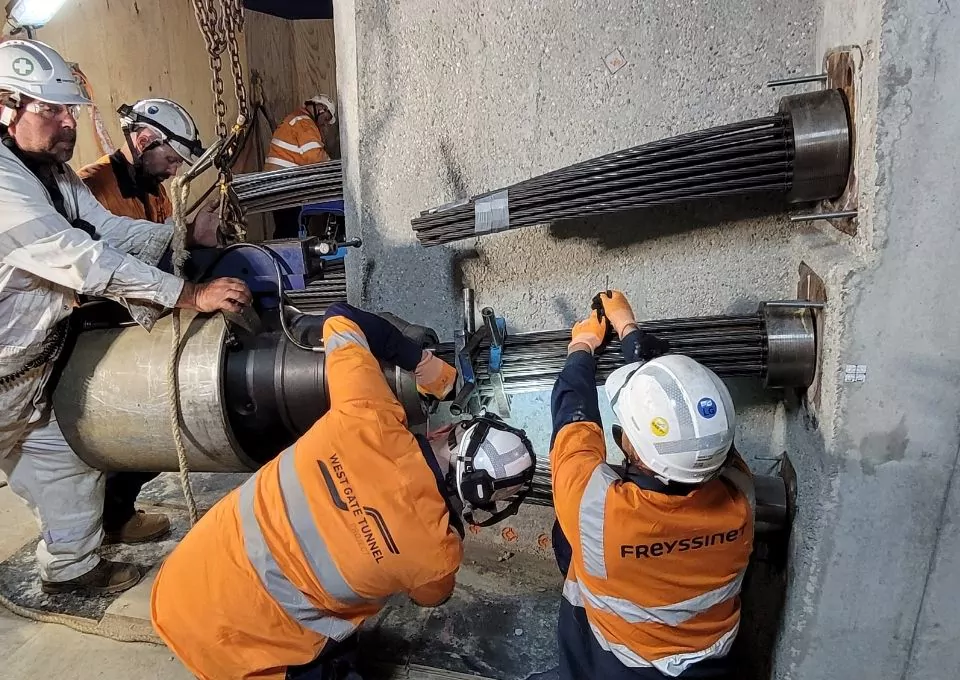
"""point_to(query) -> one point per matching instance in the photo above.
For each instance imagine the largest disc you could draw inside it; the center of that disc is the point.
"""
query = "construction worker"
(303, 138)
(160, 137)
(275, 579)
(57, 241)
(654, 552)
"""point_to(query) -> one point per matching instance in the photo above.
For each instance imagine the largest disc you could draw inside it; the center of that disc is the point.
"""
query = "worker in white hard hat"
(358, 509)
(653, 551)
(306, 136)
(57, 241)
(160, 137)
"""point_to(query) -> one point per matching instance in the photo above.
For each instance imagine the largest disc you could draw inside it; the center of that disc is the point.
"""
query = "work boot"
(104, 579)
(140, 528)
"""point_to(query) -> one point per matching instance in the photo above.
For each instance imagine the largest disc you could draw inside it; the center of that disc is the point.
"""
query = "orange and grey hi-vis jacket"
(653, 570)
(321, 536)
(296, 141)
(111, 181)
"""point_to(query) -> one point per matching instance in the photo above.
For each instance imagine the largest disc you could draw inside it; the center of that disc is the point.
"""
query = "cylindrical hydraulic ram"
(114, 410)
(243, 398)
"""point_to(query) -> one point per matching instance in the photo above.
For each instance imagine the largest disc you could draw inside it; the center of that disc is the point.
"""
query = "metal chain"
(220, 21)
(234, 18)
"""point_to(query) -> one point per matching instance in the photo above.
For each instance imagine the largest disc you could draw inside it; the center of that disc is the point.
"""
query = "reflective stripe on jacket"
(110, 181)
(659, 575)
(44, 262)
(296, 141)
(316, 541)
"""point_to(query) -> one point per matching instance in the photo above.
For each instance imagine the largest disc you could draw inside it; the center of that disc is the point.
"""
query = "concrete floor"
(33, 650)
(519, 588)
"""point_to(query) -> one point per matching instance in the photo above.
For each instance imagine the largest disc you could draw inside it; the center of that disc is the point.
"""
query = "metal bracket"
(496, 328)
(812, 289)
(466, 346)
(797, 80)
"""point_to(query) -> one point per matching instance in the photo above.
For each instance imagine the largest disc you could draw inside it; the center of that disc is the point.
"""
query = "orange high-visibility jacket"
(315, 542)
(658, 575)
(111, 182)
(297, 141)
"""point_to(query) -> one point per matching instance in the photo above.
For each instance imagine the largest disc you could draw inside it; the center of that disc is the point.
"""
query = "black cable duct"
(802, 152)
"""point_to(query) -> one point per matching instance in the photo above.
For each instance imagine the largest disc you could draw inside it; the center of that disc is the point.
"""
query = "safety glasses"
(50, 111)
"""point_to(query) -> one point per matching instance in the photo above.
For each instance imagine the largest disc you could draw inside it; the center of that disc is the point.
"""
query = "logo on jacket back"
(365, 518)
(681, 545)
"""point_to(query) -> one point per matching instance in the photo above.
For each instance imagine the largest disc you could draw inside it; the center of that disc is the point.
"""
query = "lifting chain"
(220, 22)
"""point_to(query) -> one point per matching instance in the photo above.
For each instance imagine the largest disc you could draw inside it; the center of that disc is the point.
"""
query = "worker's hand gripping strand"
(616, 308)
(589, 334)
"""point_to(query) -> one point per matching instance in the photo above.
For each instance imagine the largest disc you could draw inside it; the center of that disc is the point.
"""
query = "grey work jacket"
(45, 262)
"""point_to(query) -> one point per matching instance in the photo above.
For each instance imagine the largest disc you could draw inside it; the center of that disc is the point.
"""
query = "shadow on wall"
(619, 230)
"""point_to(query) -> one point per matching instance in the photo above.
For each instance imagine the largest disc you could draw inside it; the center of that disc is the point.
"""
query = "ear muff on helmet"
(477, 488)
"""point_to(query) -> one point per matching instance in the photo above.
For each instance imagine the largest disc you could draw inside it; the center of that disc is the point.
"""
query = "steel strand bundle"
(320, 294)
(777, 345)
(289, 187)
(802, 152)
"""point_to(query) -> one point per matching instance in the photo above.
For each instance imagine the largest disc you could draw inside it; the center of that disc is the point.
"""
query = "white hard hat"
(30, 68)
(491, 463)
(678, 415)
(169, 120)
(324, 100)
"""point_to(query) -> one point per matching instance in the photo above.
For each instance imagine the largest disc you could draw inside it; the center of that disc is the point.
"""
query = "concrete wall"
(443, 100)
(454, 99)
(875, 578)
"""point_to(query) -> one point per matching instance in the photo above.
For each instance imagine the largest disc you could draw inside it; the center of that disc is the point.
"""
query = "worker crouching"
(654, 552)
(275, 579)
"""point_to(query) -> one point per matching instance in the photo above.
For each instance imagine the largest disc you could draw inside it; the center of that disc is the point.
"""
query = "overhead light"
(33, 13)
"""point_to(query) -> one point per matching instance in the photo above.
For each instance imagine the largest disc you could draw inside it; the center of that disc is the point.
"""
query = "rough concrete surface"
(876, 548)
(456, 99)
(452, 99)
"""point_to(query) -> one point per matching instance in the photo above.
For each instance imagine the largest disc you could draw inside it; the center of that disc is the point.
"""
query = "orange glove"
(617, 310)
(435, 376)
(590, 332)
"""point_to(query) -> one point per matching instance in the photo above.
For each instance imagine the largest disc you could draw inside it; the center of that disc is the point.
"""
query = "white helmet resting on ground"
(490, 463)
(677, 414)
(326, 102)
(30, 68)
(169, 121)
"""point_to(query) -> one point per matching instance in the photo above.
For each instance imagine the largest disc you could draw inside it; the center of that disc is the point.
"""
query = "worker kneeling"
(657, 549)
(275, 579)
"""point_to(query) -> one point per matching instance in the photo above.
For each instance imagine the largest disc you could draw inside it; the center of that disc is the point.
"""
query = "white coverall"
(44, 263)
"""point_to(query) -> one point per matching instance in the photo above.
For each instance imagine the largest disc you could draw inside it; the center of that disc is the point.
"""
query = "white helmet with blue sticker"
(677, 414)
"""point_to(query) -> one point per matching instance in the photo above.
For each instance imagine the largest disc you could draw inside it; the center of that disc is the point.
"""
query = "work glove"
(617, 309)
(591, 332)
(435, 376)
